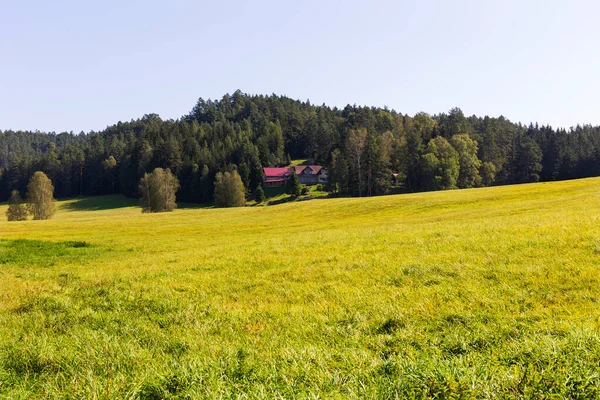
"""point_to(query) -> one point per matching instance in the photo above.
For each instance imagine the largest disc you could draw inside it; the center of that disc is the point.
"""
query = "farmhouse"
(276, 176)
(307, 174)
(311, 174)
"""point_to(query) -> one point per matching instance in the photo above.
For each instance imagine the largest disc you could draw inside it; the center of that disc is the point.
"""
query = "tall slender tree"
(355, 146)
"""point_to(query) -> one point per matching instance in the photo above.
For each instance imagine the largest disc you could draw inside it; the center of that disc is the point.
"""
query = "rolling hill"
(488, 293)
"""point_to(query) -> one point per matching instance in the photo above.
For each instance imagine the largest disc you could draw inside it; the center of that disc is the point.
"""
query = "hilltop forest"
(361, 146)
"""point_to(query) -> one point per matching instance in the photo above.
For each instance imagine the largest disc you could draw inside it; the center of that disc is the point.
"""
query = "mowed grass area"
(485, 293)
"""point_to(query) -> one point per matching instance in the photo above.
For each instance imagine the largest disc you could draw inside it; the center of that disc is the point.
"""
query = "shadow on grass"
(98, 203)
(193, 206)
(42, 253)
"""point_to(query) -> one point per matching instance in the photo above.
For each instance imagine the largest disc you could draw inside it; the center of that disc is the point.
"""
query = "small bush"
(17, 211)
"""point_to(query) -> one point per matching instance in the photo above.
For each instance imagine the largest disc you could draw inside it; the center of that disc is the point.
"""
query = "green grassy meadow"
(481, 293)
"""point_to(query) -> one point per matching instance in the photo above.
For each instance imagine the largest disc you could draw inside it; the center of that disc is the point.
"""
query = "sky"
(82, 65)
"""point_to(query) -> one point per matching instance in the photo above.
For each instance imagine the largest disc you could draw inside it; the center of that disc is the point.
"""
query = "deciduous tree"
(40, 196)
(17, 211)
(469, 163)
(229, 190)
(157, 191)
(441, 166)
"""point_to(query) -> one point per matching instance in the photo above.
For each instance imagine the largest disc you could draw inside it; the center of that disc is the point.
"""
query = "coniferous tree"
(488, 173)
(250, 132)
(109, 165)
(293, 186)
(259, 195)
(338, 173)
(529, 161)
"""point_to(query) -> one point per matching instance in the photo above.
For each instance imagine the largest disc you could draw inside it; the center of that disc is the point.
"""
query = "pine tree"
(338, 177)
(529, 158)
(293, 186)
(259, 195)
(17, 211)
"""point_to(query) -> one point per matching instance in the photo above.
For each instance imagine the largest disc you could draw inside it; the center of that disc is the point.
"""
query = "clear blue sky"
(82, 65)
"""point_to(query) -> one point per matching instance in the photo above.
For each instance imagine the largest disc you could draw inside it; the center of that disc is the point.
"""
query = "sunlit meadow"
(486, 293)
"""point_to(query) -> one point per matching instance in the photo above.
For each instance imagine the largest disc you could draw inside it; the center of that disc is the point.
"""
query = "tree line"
(361, 146)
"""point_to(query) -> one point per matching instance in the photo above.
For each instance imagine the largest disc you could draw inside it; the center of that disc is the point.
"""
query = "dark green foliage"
(440, 165)
(293, 186)
(259, 195)
(529, 158)
(360, 145)
(338, 173)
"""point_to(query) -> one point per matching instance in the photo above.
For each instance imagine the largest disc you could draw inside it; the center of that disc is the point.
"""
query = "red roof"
(276, 172)
(314, 169)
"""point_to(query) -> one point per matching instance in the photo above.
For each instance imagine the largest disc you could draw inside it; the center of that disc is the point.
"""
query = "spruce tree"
(293, 186)
(259, 195)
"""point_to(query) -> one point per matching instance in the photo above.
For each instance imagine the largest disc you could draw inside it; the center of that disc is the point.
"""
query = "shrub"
(17, 211)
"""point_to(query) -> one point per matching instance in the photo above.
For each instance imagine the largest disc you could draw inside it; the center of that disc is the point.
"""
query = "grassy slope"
(487, 292)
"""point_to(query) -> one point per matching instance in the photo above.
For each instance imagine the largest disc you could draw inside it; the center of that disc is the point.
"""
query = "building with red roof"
(276, 176)
(311, 174)
(307, 174)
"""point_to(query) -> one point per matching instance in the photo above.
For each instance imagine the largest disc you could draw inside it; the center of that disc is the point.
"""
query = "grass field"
(483, 293)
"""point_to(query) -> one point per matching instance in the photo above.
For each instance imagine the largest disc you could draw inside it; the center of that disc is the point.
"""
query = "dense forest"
(361, 146)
